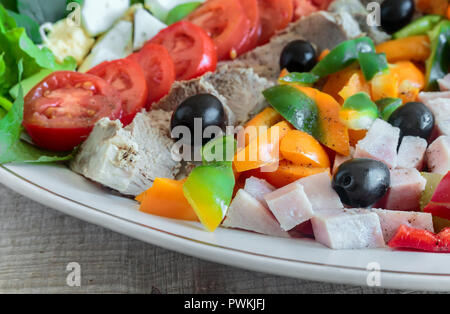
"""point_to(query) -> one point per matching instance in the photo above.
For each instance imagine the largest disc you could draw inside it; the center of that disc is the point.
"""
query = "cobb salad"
(288, 118)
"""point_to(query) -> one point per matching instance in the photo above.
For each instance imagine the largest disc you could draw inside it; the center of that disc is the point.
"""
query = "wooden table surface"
(37, 244)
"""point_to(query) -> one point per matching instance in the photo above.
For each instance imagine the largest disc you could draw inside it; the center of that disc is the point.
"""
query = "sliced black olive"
(413, 119)
(361, 183)
(298, 56)
(396, 14)
(203, 106)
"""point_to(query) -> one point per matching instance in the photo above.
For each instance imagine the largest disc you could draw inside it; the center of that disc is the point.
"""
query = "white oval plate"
(57, 187)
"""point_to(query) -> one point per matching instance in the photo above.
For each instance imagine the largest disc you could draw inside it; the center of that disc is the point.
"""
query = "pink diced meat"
(444, 83)
(426, 97)
(258, 188)
(246, 213)
(392, 220)
(381, 143)
(290, 206)
(339, 160)
(406, 189)
(320, 193)
(438, 155)
(348, 230)
(412, 152)
(441, 111)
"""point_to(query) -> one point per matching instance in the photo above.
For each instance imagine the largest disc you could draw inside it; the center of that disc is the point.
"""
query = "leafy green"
(30, 25)
(181, 11)
(12, 148)
(42, 11)
(15, 45)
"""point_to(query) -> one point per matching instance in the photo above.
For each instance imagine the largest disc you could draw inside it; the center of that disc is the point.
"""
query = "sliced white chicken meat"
(247, 213)
(438, 155)
(405, 191)
(380, 143)
(258, 188)
(412, 152)
(348, 230)
(129, 159)
(290, 206)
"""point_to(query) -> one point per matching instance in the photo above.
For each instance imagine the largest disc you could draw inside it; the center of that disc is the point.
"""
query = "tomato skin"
(57, 139)
(159, 70)
(251, 9)
(275, 15)
(61, 111)
(226, 23)
(128, 78)
(192, 50)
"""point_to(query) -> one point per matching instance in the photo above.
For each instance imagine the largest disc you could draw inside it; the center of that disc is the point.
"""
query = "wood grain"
(37, 243)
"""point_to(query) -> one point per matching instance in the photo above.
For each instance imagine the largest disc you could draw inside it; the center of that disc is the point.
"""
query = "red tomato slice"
(60, 112)
(192, 50)
(275, 16)
(159, 70)
(128, 78)
(251, 9)
(322, 4)
(226, 23)
(304, 8)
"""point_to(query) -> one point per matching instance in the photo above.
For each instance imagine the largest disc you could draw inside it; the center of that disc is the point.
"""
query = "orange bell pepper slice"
(332, 132)
(263, 150)
(302, 149)
(414, 48)
(166, 199)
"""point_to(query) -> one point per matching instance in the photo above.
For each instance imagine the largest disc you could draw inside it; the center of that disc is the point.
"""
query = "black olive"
(203, 106)
(396, 14)
(298, 56)
(361, 183)
(413, 119)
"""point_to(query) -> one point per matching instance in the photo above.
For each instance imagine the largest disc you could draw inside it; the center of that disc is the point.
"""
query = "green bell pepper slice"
(343, 55)
(421, 26)
(209, 190)
(372, 63)
(439, 62)
(220, 151)
(359, 112)
(302, 79)
(295, 106)
(387, 106)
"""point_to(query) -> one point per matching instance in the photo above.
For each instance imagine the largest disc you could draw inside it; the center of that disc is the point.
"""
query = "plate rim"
(222, 255)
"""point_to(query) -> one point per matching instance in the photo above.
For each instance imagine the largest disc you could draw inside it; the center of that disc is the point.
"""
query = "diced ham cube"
(381, 143)
(444, 83)
(438, 155)
(290, 206)
(441, 111)
(412, 152)
(347, 230)
(392, 220)
(246, 213)
(406, 189)
(427, 97)
(320, 193)
(339, 160)
(258, 188)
